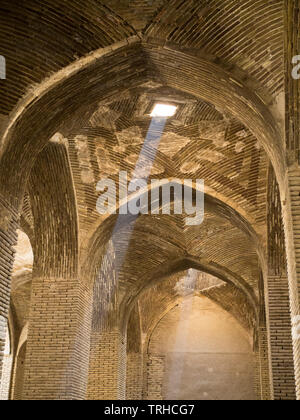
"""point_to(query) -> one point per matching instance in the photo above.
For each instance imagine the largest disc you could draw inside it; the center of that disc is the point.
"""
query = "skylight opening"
(163, 110)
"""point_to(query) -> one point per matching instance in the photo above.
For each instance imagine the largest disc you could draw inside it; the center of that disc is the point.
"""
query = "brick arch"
(110, 318)
(95, 246)
(76, 88)
(168, 268)
(134, 356)
(159, 367)
(234, 295)
(218, 29)
(96, 251)
(75, 91)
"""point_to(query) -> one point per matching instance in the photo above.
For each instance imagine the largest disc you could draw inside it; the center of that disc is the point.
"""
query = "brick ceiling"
(104, 133)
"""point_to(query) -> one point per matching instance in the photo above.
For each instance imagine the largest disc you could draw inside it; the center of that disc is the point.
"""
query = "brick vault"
(145, 306)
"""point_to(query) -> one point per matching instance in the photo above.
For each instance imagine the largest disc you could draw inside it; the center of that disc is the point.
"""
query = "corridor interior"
(112, 305)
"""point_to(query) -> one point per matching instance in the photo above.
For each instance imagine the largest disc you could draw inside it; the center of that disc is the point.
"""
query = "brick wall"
(134, 370)
(6, 368)
(264, 367)
(294, 271)
(278, 308)
(59, 338)
(8, 238)
(107, 369)
(281, 346)
(257, 378)
(3, 322)
(155, 371)
(199, 351)
(292, 189)
(107, 366)
(6, 377)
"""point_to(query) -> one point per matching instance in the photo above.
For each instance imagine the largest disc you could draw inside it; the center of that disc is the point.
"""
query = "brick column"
(57, 356)
(292, 228)
(8, 238)
(291, 200)
(107, 372)
(281, 345)
(257, 378)
(134, 376)
(264, 372)
(261, 348)
(278, 309)
(155, 377)
(19, 374)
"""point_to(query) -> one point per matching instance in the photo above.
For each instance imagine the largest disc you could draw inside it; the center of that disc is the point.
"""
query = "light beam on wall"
(120, 235)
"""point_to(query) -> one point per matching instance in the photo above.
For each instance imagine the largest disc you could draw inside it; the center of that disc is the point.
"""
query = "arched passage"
(199, 352)
(177, 291)
(202, 54)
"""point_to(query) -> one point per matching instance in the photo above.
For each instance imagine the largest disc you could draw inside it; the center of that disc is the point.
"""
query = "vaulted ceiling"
(101, 116)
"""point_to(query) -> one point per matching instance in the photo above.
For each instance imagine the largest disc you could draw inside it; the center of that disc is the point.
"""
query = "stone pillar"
(8, 238)
(57, 355)
(107, 372)
(134, 376)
